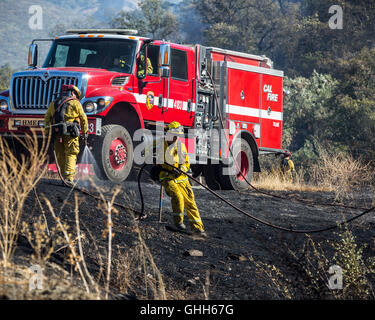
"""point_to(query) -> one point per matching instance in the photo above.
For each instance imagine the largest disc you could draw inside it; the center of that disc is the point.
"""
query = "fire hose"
(249, 214)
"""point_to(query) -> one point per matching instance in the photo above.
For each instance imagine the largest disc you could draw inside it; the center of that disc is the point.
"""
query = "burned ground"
(233, 240)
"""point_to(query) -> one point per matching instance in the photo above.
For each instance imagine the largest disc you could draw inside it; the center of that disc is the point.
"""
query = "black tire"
(197, 170)
(236, 181)
(104, 155)
(211, 177)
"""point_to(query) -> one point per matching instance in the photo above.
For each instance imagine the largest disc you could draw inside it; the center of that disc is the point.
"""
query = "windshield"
(111, 54)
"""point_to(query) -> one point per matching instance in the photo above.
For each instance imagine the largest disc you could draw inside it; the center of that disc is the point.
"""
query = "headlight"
(103, 102)
(90, 106)
(3, 105)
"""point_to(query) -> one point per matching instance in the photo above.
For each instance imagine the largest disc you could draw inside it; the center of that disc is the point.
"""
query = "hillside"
(16, 35)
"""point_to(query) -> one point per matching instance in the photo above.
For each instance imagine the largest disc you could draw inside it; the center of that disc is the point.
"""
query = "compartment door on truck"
(255, 103)
(243, 103)
(272, 110)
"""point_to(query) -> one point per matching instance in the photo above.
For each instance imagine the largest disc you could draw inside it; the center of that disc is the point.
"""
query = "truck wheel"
(197, 170)
(113, 151)
(210, 173)
(245, 162)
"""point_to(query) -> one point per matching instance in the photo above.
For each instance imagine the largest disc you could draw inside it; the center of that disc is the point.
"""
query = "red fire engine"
(184, 83)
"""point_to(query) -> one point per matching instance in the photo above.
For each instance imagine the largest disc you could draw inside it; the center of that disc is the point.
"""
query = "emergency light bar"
(132, 32)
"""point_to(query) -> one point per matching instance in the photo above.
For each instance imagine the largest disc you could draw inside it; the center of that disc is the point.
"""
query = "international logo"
(45, 76)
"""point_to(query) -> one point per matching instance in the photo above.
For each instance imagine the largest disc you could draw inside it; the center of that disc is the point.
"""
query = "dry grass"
(337, 173)
(18, 176)
(342, 174)
(154, 287)
(356, 269)
(273, 180)
(135, 268)
(42, 239)
(274, 278)
(75, 258)
(124, 269)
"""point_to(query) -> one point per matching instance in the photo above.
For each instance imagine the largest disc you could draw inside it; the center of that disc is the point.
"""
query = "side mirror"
(165, 55)
(33, 55)
(164, 60)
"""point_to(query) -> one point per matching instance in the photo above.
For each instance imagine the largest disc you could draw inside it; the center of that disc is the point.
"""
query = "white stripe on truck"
(141, 98)
(253, 112)
(232, 109)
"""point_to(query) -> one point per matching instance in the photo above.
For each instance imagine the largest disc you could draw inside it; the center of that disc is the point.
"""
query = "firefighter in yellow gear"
(176, 184)
(66, 112)
(141, 66)
(287, 167)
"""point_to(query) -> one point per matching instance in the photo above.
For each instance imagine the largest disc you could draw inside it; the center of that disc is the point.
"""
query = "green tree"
(151, 19)
(338, 114)
(308, 111)
(355, 120)
(319, 47)
(260, 27)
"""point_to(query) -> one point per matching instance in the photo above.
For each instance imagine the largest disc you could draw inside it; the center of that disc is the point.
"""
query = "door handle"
(160, 102)
(189, 106)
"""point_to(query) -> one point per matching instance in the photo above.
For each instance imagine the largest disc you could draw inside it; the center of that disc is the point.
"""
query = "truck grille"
(31, 92)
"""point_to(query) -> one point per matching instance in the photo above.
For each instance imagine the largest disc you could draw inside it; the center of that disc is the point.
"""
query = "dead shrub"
(274, 180)
(341, 174)
(42, 239)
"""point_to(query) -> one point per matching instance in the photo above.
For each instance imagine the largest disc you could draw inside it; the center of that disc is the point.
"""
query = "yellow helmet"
(67, 87)
(175, 128)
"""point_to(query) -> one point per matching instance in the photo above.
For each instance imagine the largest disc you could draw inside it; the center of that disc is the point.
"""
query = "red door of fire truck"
(181, 82)
(156, 104)
(151, 89)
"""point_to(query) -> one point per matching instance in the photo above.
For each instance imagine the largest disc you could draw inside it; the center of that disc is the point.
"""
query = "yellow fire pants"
(67, 149)
(182, 196)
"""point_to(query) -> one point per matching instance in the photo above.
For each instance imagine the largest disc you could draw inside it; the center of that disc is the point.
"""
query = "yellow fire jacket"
(141, 66)
(175, 154)
(289, 169)
(74, 111)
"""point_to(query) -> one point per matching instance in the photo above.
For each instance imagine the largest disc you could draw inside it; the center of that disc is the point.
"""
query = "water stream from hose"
(88, 166)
